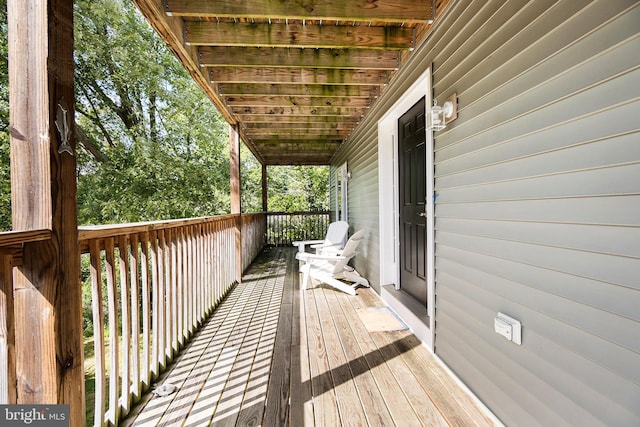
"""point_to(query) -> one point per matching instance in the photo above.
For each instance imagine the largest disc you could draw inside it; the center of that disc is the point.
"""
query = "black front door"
(412, 159)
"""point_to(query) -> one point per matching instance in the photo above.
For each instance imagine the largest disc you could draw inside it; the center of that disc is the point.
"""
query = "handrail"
(11, 238)
(87, 232)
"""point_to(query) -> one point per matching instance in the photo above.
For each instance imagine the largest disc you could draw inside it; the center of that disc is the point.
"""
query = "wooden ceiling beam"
(298, 136)
(241, 89)
(298, 142)
(295, 57)
(245, 113)
(285, 148)
(390, 11)
(311, 125)
(295, 133)
(295, 101)
(293, 119)
(297, 35)
(298, 76)
(298, 159)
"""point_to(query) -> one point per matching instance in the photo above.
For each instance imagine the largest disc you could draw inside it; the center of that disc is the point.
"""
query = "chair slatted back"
(336, 233)
(349, 251)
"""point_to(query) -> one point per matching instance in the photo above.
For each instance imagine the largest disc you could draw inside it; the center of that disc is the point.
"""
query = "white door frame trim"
(388, 196)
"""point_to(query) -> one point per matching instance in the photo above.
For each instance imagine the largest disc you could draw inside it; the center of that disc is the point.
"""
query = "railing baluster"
(174, 291)
(112, 297)
(135, 316)
(125, 319)
(98, 334)
(180, 286)
(155, 279)
(190, 279)
(146, 309)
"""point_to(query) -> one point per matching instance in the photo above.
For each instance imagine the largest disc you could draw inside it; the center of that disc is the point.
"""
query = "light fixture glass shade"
(435, 118)
(437, 115)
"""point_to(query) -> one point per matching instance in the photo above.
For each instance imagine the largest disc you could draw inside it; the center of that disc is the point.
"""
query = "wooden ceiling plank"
(297, 76)
(289, 148)
(311, 124)
(295, 57)
(254, 89)
(307, 120)
(296, 35)
(417, 11)
(245, 113)
(295, 101)
(299, 142)
(282, 161)
(299, 136)
(295, 133)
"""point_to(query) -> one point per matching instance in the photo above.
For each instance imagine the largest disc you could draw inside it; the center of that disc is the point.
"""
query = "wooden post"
(265, 187)
(236, 205)
(48, 295)
(7, 333)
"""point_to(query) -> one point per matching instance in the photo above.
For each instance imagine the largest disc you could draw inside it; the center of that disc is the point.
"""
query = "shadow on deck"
(272, 355)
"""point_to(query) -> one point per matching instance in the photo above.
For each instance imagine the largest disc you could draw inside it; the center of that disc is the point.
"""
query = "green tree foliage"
(5, 171)
(298, 188)
(156, 146)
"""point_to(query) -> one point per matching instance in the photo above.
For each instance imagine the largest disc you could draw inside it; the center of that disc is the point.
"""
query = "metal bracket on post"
(64, 127)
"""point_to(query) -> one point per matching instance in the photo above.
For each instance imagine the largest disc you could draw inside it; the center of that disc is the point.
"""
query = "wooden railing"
(161, 280)
(151, 285)
(286, 227)
(10, 256)
(254, 232)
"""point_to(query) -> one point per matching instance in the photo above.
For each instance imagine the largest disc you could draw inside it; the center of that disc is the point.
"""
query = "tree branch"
(90, 146)
(96, 118)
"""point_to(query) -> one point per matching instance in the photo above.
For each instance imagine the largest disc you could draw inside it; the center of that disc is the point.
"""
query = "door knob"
(423, 214)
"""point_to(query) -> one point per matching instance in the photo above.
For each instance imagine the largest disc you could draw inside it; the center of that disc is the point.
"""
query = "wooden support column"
(48, 295)
(236, 205)
(265, 187)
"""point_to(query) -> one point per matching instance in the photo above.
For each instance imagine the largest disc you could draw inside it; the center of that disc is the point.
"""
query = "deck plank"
(301, 412)
(277, 409)
(272, 354)
(233, 393)
(253, 404)
(325, 406)
(372, 400)
(419, 400)
(349, 405)
(391, 389)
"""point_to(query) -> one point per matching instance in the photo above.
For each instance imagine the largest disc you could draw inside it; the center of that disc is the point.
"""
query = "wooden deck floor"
(272, 355)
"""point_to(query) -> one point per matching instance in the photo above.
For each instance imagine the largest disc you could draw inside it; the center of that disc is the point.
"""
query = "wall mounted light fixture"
(439, 116)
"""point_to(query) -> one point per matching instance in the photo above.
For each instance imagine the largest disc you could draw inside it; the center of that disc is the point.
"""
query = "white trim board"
(388, 199)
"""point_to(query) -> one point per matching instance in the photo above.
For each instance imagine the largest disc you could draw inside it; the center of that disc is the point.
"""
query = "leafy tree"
(158, 148)
(298, 188)
(5, 170)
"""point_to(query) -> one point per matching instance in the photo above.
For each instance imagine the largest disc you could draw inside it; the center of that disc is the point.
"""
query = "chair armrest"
(323, 245)
(315, 257)
(302, 243)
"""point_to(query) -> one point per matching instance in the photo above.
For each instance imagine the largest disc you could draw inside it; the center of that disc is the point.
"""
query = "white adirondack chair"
(335, 238)
(329, 268)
